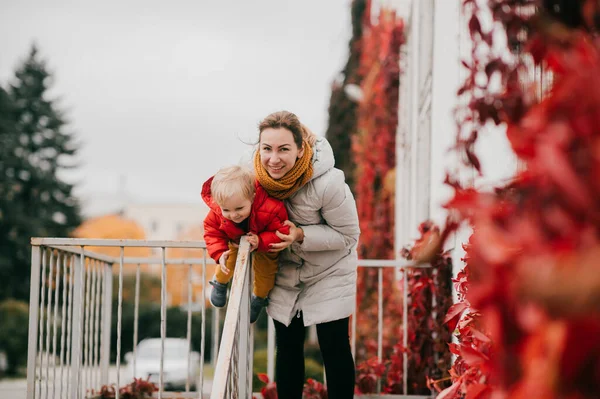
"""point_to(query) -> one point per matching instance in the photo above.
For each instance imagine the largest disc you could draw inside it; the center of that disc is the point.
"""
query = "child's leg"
(224, 278)
(265, 268)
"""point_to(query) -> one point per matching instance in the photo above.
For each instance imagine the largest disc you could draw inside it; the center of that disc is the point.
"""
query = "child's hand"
(223, 262)
(253, 240)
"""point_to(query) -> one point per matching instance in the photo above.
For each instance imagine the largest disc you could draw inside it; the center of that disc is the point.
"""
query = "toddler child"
(240, 206)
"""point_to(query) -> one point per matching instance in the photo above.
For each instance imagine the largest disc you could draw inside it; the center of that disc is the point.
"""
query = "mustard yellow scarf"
(293, 180)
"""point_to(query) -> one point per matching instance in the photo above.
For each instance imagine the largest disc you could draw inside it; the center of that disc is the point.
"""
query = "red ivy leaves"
(367, 375)
(138, 389)
(269, 391)
(427, 351)
(313, 389)
(534, 238)
(454, 314)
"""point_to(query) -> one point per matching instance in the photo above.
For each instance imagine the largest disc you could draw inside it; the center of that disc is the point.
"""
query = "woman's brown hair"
(289, 121)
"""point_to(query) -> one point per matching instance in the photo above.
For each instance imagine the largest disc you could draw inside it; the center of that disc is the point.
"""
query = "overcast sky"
(164, 93)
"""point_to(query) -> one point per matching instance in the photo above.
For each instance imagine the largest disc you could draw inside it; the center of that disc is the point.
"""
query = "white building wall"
(446, 81)
(167, 221)
(414, 137)
(437, 40)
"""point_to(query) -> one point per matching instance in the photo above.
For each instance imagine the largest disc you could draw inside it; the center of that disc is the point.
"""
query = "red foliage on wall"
(430, 298)
(373, 152)
(429, 290)
(534, 238)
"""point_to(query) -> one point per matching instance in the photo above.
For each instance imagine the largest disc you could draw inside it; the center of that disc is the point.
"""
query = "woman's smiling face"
(278, 151)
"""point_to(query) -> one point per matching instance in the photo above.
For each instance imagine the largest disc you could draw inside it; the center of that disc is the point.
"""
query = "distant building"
(173, 222)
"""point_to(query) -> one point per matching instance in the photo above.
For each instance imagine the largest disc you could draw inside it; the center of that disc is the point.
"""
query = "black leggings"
(334, 342)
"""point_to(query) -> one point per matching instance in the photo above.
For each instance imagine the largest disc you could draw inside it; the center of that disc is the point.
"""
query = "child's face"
(236, 208)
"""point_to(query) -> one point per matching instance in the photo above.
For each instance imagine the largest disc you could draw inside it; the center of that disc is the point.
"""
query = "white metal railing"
(381, 265)
(233, 373)
(72, 287)
(237, 334)
(71, 311)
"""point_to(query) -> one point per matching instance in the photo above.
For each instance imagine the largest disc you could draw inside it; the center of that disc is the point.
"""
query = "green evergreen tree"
(37, 201)
(9, 187)
(342, 110)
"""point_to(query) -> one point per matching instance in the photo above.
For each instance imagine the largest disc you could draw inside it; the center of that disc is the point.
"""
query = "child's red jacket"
(266, 217)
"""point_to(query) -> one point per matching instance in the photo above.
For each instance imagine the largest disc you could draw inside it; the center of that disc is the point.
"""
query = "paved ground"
(17, 388)
(14, 389)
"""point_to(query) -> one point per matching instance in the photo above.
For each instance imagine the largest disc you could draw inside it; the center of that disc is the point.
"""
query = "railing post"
(243, 337)
(106, 324)
(405, 331)
(234, 332)
(215, 327)
(379, 321)
(77, 336)
(271, 349)
(34, 298)
(200, 385)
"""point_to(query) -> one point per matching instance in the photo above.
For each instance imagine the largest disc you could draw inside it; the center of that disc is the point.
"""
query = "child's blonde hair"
(230, 181)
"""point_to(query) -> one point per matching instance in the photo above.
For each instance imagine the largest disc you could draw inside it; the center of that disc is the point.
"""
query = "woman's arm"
(340, 230)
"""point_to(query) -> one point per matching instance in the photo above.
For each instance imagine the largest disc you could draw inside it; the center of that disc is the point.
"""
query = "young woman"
(316, 280)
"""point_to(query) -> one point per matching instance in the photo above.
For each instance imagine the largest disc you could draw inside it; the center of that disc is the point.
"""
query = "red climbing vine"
(529, 304)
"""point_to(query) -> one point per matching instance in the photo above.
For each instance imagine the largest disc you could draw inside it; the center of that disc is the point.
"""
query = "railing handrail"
(400, 263)
(235, 326)
(74, 246)
(233, 369)
(113, 242)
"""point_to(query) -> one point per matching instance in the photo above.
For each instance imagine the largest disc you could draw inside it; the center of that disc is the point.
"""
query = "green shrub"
(14, 333)
(259, 366)
(313, 369)
(312, 351)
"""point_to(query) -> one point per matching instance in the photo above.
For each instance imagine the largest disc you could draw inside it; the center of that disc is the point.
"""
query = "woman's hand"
(223, 262)
(296, 234)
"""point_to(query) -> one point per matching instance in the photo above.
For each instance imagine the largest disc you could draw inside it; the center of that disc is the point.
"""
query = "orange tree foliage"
(528, 322)
(113, 227)
(177, 278)
(118, 227)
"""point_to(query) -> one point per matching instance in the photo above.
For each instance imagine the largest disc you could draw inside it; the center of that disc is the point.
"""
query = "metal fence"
(71, 311)
(71, 305)
(233, 374)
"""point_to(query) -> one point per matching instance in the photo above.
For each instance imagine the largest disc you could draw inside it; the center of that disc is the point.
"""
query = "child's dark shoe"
(256, 306)
(218, 294)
